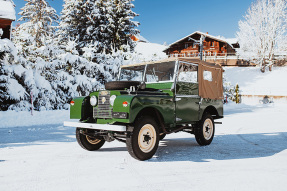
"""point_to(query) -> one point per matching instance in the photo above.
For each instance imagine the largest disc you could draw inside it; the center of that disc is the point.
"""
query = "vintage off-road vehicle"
(147, 102)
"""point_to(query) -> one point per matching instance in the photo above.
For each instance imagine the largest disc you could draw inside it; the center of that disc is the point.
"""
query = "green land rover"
(148, 101)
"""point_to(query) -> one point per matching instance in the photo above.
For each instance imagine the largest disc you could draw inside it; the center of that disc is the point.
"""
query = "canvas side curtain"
(210, 81)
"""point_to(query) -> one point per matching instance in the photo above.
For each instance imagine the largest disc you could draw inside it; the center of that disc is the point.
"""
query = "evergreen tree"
(34, 37)
(120, 26)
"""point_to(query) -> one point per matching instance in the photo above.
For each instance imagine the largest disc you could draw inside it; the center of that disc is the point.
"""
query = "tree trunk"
(270, 67)
(262, 66)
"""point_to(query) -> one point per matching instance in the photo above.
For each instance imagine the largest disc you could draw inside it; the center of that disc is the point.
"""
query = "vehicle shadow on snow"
(35, 135)
(223, 147)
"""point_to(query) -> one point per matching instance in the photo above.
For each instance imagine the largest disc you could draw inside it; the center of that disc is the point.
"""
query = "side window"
(207, 75)
(187, 73)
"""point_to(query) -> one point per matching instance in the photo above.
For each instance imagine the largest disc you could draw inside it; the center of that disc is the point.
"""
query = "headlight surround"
(112, 99)
(93, 101)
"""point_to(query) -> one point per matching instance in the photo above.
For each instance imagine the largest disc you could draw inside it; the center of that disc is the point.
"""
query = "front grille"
(103, 110)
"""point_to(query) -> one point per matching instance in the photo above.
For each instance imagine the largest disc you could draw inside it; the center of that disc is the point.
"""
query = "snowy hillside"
(145, 52)
(253, 82)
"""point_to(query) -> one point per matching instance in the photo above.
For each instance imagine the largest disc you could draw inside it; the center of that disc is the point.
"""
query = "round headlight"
(93, 100)
(112, 99)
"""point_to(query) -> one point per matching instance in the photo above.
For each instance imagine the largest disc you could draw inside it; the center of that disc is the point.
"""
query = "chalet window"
(212, 44)
(186, 45)
(194, 45)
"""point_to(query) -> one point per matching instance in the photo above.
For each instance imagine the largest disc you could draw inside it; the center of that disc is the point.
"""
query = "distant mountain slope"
(145, 52)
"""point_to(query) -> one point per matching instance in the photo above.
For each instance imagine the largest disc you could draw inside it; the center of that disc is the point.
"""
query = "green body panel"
(217, 104)
(186, 88)
(118, 104)
(187, 109)
(76, 109)
(161, 85)
(187, 102)
(163, 103)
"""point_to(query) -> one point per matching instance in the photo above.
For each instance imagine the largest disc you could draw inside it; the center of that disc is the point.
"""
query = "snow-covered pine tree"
(34, 41)
(120, 26)
(12, 91)
(66, 25)
(34, 37)
(78, 23)
(262, 33)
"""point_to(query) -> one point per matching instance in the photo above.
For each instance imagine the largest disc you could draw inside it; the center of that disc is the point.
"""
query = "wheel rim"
(92, 141)
(208, 129)
(147, 138)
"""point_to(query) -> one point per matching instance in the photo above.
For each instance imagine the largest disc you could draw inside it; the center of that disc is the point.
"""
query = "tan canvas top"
(208, 88)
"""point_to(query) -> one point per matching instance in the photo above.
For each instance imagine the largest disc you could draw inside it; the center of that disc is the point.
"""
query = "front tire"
(144, 139)
(204, 133)
(87, 142)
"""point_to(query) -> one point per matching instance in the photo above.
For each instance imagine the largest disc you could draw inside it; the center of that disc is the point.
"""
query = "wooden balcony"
(224, 59)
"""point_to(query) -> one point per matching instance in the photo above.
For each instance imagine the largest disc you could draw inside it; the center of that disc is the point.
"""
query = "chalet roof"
(228, 41)
(7, 10)
(141, 38)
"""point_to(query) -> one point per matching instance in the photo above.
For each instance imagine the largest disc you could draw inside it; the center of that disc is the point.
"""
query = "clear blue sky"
(170, 20)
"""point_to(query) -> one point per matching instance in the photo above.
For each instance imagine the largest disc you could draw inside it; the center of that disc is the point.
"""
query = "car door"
(186, 97)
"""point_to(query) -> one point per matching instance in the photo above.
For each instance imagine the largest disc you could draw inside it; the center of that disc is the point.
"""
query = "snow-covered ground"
(249, 152)
(253, 82)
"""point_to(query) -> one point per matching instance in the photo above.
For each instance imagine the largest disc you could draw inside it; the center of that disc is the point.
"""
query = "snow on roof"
(218, 38)
(232, 40)
(140, 38)
(7, 10)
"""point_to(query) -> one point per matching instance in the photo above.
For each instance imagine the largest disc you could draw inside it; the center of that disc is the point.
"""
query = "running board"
(217, 122)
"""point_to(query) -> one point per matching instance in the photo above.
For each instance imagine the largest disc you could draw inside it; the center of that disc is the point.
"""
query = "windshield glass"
(160, 72)
(133, 73)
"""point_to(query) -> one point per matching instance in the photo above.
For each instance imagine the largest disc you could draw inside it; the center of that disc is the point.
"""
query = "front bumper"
(96, 126)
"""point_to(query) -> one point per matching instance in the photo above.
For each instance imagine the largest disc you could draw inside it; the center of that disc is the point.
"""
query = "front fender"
(164, 104)
(76, 108)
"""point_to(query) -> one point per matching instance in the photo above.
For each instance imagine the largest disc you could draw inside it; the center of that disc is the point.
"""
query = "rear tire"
(144, 139)
(204, 133)
(87, 142)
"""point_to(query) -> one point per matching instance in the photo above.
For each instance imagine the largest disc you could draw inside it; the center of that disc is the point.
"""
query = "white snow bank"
(8, 46)
(149, 51)
(7, 10)
(253, 82)
(24, 118)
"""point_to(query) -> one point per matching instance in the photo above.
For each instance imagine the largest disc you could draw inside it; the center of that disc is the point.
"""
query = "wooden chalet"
(7, 15)
(216, 50)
